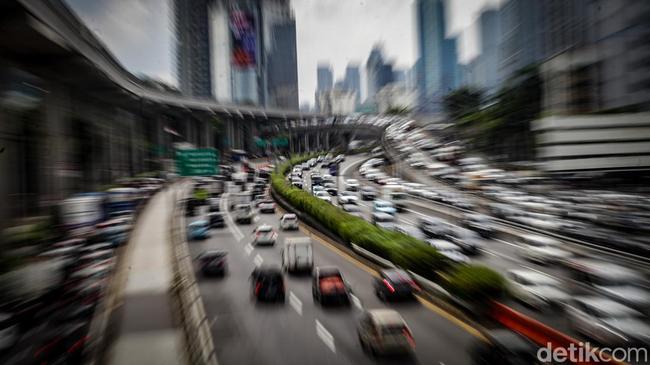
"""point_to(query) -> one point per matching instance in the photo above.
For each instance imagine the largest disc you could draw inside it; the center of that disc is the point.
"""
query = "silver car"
(383, 331)
(610, 323)
(536, 289)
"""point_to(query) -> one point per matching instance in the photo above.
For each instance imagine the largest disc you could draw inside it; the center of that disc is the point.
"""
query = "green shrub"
(468, 282)
(475, 283)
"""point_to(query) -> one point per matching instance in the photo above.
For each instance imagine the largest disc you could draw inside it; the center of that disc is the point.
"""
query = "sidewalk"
(146, 333)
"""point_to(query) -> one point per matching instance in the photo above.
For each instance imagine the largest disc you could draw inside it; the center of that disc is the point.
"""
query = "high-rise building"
(521, 29)
(193, 52)
(378, 72)
(282, 84)
(488, 61)
(324, 77)
(352, 80)
(437, 55)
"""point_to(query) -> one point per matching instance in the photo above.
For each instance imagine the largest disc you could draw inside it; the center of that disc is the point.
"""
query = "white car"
(347, 197)
(352, 184)
(450, 250)
(610, 323)
(536, 289)
(323, 195)
(289, 221)
(543, 250)
(264, 235)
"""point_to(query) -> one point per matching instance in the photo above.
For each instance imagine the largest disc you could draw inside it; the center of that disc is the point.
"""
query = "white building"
(337, 101)
(395, 95)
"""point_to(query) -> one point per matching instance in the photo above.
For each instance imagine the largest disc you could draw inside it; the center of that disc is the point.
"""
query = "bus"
(122, 200)
(82, 211)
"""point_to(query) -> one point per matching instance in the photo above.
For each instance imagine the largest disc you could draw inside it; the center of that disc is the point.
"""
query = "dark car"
(213, 263)
(267, 284)
(469, 241)
(368, 193)
(63, 344)
(480, 224)
(433, 227)
(395, 284)
(216, 220)
(328, 286)
(504, 347)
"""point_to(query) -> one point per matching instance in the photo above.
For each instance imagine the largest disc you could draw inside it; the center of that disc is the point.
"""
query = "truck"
(396, 195)
(245, 197)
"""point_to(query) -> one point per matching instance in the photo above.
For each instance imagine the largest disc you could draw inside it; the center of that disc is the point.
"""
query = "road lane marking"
(295, 303)
(248, 249)
(325, 336)
(258, 260)
(356, 301)
(507, 243)
(232, 226)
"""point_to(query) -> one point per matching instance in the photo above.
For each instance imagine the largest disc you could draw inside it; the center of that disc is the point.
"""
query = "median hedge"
(403, 250)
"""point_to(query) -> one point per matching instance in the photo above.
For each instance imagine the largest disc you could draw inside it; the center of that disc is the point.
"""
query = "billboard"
(243, 35)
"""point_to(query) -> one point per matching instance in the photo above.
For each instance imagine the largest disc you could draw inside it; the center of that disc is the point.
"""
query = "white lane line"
(356, 301)
(258, 260)
(325, 336)
(231, 223)
(295, 303)
(248, 249)
(507, 243)
(498, 254)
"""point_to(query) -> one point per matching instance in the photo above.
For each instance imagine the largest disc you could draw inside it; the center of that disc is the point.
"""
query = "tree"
(462, 102)
(397, 110)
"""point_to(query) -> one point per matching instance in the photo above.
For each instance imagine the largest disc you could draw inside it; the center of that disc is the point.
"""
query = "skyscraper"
(378, 73)
(193, 56)
(324, 82)
(325, 79)
(437, 63)
(352, 80)
(282, 83)
(488, 67)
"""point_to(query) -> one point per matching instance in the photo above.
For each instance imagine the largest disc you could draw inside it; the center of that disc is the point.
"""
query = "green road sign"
(198, 162)
(280, 142)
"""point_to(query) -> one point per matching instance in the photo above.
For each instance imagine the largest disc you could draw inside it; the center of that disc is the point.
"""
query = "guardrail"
(199, 344)
(541, 334)
(99, 331)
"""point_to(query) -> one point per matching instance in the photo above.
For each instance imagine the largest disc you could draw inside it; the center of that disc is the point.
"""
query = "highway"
(501, 253)
(301, 331)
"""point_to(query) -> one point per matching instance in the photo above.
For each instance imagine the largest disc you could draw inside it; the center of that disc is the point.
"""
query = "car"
(433, 227)
(266, 206)
(395, 284)
(198, 230)
(480, 224)
(216, 220)
(331, 189)
(243, 213)
(608, 322)
(368, 193)
(9, 332)
(264, 235)
(352, 184)
(323, 195)
(317, 188)
(347, 197)
(449, 250)
(383, 206)
(536, 289)
(469, 241)
(543, 250)
(297, 183)
(213, 263)
(267, 283)
(384, 331)
(504, 347)
(289, 221)
(328, 286)
(352, 209)
(297, 255)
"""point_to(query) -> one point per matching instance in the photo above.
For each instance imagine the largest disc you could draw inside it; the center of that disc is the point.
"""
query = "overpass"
(72, 118)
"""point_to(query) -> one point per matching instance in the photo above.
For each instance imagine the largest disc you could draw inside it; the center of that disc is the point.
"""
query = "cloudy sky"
(138, 32)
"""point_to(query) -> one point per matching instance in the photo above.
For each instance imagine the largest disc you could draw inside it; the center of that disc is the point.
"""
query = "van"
(243, 213)
(297, 255)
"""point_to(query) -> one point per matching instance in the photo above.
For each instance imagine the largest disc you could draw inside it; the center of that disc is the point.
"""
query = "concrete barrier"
(198, 338)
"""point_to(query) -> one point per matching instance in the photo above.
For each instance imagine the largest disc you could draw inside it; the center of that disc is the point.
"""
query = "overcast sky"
(138, 32)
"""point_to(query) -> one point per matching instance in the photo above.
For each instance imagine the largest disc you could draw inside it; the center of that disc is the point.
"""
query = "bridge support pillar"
(307, 142)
